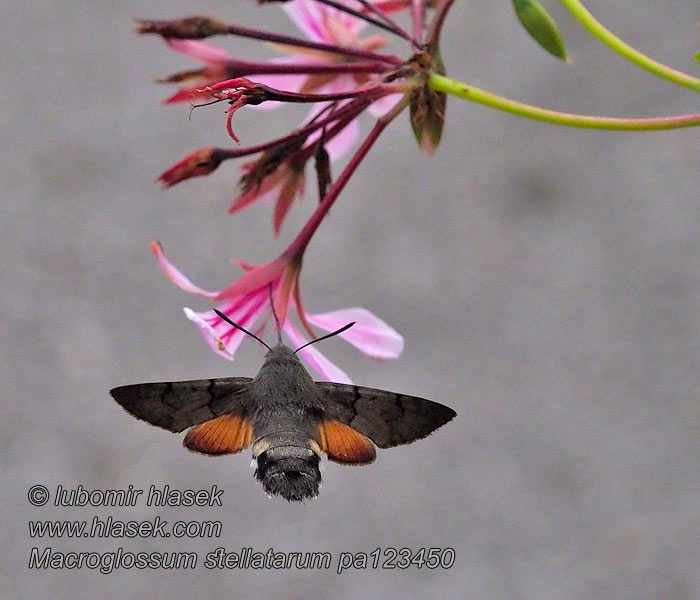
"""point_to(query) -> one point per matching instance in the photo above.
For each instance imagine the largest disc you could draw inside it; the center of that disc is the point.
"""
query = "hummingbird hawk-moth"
(287, 417)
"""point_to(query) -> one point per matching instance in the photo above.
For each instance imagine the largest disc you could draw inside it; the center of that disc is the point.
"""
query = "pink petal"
(256, 279)
(285, 289)
(316, 21)
(308, 17)
(265, 192)
(341, 27)
(183, 95)
(293, 187)
(344, 141)
(370, 334)
(317, 361)
(176, 276)
(221, 336)
(200, 50)
(382, 106)
(209, 334)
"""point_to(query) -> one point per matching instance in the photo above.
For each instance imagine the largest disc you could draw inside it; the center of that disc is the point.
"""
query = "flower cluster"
(341, 73)
(335, 69)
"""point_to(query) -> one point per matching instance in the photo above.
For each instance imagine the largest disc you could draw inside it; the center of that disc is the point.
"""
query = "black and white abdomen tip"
(288, 466)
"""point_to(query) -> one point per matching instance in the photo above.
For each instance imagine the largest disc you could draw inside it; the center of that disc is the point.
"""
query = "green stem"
(616, 44)
(469, 92)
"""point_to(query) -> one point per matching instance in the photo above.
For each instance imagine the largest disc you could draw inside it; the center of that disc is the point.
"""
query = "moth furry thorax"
(289, 420)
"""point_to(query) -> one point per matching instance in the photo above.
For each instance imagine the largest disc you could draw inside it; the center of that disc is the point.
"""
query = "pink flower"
(323, 23)
(246, 302)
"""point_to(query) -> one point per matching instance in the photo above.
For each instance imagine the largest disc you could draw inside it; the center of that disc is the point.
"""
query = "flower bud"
(200, 162)
(189, 28)
(541, 26)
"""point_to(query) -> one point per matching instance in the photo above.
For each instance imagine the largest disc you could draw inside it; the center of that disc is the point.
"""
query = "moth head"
(282, 353)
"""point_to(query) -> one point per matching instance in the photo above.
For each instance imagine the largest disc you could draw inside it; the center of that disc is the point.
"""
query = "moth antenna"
(274, 312)
(237, 326)
(325, 337)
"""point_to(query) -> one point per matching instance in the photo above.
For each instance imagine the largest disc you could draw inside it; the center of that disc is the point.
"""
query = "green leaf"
(541, 26)
(697, 57)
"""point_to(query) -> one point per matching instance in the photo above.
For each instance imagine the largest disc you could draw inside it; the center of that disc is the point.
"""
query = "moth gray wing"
(387, 418)
(177, 405)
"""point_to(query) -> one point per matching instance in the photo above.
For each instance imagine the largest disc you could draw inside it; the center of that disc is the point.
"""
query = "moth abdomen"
(287, 465)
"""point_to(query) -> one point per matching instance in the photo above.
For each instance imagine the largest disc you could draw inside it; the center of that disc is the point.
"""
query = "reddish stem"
(433, 37)
(418, 17)
(293, 41)
(297, 247)
(377, 10)
(371, 93)
(244, 68)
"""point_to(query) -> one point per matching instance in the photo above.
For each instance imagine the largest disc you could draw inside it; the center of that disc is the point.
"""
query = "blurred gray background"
(547, 281)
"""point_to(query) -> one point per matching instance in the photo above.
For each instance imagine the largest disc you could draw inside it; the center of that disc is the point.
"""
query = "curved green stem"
(469, 92)
(612, 41)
